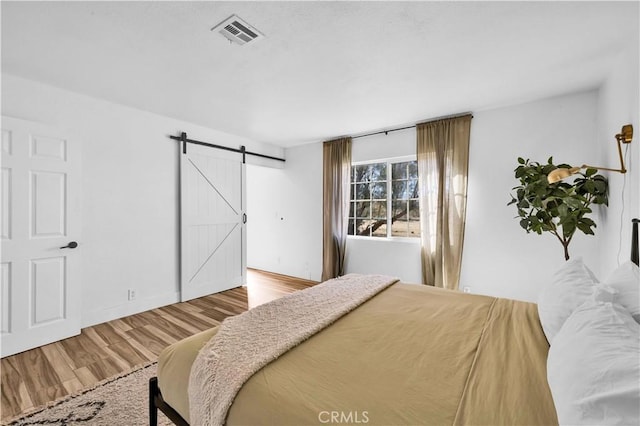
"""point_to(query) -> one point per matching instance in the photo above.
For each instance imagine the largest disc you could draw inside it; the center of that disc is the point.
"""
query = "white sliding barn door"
(213, 239)
(40, 298)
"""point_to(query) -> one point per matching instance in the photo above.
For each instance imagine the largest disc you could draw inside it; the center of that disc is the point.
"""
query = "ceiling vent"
(238, 31)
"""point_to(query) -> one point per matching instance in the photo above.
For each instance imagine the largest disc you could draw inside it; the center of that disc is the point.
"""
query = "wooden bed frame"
(155, 396)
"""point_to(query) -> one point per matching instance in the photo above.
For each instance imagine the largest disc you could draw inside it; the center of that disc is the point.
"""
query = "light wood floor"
(35, 377)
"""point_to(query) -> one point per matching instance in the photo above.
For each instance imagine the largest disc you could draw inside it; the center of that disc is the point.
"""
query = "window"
(384, 199)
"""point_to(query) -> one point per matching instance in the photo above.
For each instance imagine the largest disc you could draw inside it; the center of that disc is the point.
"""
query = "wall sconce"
(625, 136)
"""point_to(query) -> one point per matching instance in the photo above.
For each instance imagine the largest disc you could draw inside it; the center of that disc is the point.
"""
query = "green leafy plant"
(560, 208)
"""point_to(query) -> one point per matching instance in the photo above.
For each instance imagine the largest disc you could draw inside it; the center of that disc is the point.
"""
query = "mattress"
(411, 355)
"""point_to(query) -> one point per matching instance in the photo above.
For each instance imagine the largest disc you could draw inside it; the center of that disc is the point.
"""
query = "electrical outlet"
(132, 294)
(466, 289)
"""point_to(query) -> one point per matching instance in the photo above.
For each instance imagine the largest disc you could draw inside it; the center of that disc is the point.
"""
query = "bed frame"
(155, 396)
(157, 403)
(634, 242)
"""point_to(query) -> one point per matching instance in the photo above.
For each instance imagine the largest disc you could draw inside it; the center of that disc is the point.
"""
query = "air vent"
(237, 30)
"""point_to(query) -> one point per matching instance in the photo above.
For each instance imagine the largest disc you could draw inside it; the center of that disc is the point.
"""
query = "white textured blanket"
(247, 342)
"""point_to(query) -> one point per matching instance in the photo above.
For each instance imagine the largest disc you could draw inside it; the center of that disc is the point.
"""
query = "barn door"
(40, 298)
(213, 238)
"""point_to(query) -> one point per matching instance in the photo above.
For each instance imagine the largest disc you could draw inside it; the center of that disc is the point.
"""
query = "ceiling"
(324, 69)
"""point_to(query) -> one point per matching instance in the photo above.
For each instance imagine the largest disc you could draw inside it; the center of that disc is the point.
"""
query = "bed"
(421, 355)
(493, 355)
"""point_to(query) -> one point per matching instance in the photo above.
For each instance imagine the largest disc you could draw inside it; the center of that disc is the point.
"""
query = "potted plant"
(560, 208)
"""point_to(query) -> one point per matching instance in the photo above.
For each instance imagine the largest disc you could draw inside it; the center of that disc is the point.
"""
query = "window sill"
(407, 240)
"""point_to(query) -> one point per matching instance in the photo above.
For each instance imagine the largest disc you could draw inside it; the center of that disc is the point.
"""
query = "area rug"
(117, 401)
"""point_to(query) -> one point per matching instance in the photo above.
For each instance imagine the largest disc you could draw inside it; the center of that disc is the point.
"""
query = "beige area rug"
(114, 402)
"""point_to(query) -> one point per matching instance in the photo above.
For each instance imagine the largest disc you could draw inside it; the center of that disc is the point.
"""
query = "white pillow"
(593, 368)
(572, 284)
(626, 280)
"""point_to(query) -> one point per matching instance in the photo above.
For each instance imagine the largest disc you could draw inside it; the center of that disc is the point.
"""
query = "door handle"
(244, 218)
(71, 245)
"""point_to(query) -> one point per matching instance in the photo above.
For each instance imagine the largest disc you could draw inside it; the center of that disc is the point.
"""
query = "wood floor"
(35, 377)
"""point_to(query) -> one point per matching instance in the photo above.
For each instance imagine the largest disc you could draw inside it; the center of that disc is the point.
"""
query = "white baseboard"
(128, 308)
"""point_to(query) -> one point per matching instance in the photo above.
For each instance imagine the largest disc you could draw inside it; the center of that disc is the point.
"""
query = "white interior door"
(213, 247)
(40, 298)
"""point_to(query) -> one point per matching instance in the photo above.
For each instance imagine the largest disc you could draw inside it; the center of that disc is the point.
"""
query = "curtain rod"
(383, 131)
(183, 138)
(408, 127)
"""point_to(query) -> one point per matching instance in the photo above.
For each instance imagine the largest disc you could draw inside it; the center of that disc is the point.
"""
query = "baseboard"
(128, 308)
(304, 274)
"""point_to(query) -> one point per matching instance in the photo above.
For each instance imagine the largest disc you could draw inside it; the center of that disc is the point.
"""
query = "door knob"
(71, 245)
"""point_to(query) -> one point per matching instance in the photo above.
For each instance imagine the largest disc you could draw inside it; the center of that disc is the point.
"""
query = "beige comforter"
(411, 355)
(247, 342)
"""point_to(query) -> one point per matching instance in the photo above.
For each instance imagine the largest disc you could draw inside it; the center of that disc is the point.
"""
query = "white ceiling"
(325, 69)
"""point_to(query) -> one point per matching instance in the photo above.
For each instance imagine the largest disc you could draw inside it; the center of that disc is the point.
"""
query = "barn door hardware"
(183, 138)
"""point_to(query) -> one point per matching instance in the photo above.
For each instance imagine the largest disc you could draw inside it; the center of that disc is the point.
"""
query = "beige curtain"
(443, 160)
(337, 175)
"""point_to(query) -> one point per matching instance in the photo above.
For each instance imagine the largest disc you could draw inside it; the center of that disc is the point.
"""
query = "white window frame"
(389, 161)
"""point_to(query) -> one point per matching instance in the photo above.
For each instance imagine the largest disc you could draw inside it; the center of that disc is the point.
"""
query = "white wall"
(381, 146)
(499, 257)
(617, 106)
(284, 225)
(129, 193)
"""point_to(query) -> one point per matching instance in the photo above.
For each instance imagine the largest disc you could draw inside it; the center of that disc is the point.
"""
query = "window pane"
(353, 173)
(363, 209)
(412, 188)
(399, 227)
(362, 191)
(414, 218)
(378, 171)
(399, 209)
(399, 170)
(362, 173)
(379, 210)
(351, 209)
(414, 210)
(362, 227)
(381, 231)
(379, 190)
(399, 190)
(414, 228)
(350, 229)
(413, 169)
